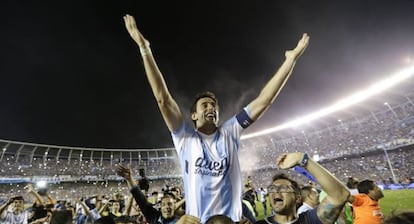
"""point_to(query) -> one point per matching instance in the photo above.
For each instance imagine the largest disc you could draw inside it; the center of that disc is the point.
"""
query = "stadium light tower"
(389, 163)
(2, 153)
(389, 107)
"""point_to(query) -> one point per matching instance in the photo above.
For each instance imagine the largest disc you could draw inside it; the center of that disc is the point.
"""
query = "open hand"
(299, 49)
(133, 31)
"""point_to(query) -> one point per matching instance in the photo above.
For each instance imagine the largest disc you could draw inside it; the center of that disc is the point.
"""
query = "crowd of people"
(352, 140)
(99, 177)
(343, 140)
(128, 201)
(355, 136)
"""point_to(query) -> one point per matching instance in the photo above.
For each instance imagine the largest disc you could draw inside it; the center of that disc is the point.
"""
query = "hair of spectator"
(219, 219)
(365, 186)
(61, 217)
(282, 176)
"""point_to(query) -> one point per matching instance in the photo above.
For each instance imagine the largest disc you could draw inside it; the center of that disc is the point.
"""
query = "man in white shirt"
(209, 152)
(17, 214)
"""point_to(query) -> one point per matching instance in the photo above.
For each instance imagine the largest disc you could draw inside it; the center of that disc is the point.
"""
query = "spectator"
(310, 199)
(262, 193)
(365, 204)
(61, 217)
(17, 214)
(284, 193)
(152, 215)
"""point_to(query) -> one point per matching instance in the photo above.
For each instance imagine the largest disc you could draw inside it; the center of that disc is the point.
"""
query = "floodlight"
(342, 104)
(41, 184)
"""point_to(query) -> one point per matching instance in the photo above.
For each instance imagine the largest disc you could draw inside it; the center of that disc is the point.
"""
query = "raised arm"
(168, 106)
(272, 88)
(84, 206)
(125, 172)
(149, 212)
(337, 194)
(128, 207)
(29, 188)
(5, 205)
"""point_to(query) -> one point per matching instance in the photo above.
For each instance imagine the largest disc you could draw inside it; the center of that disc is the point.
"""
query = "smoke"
(249, 160)
(233, 94)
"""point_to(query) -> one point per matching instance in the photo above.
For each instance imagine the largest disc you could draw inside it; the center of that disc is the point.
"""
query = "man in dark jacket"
(284, 193)
(166, 215)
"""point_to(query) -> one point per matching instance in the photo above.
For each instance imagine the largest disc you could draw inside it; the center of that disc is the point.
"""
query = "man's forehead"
(205, 100)
(166, 200)
(282, 182)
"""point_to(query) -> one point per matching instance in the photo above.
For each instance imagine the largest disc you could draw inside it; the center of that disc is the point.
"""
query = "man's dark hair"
(168, 195)
(105, 220)
(20, 198)
(365, 186)
(112, 201)
(61, 217)
(219, 219)
(125, 219)
(202, 95)
(282, 176)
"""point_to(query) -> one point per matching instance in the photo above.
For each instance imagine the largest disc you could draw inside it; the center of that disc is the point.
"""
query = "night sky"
(70, 74)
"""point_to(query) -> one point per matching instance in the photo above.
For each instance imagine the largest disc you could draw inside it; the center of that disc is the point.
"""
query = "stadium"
(370, 137)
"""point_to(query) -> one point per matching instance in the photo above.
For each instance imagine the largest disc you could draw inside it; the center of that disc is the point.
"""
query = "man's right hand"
(299, 49)
(123, 171)
(133, 31)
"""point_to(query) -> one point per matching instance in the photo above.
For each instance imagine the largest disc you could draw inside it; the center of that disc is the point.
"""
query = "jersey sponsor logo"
(210, 168)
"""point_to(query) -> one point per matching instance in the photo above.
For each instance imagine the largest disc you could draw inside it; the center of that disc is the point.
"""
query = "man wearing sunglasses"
(284, 193)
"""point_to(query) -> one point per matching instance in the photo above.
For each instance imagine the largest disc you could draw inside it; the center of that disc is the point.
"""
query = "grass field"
(398, 200)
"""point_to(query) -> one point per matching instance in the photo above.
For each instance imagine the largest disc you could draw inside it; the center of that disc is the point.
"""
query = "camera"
(143, 183)
(141, 172)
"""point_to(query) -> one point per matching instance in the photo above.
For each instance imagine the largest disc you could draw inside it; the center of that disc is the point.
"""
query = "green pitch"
(399, 200)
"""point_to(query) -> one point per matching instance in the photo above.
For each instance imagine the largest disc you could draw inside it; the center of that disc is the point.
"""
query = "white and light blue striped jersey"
(211, 170)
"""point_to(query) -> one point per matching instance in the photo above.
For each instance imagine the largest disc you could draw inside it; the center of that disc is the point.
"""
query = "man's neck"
(207, 129)
(17, 211)
(284, 218)
(310, 204)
